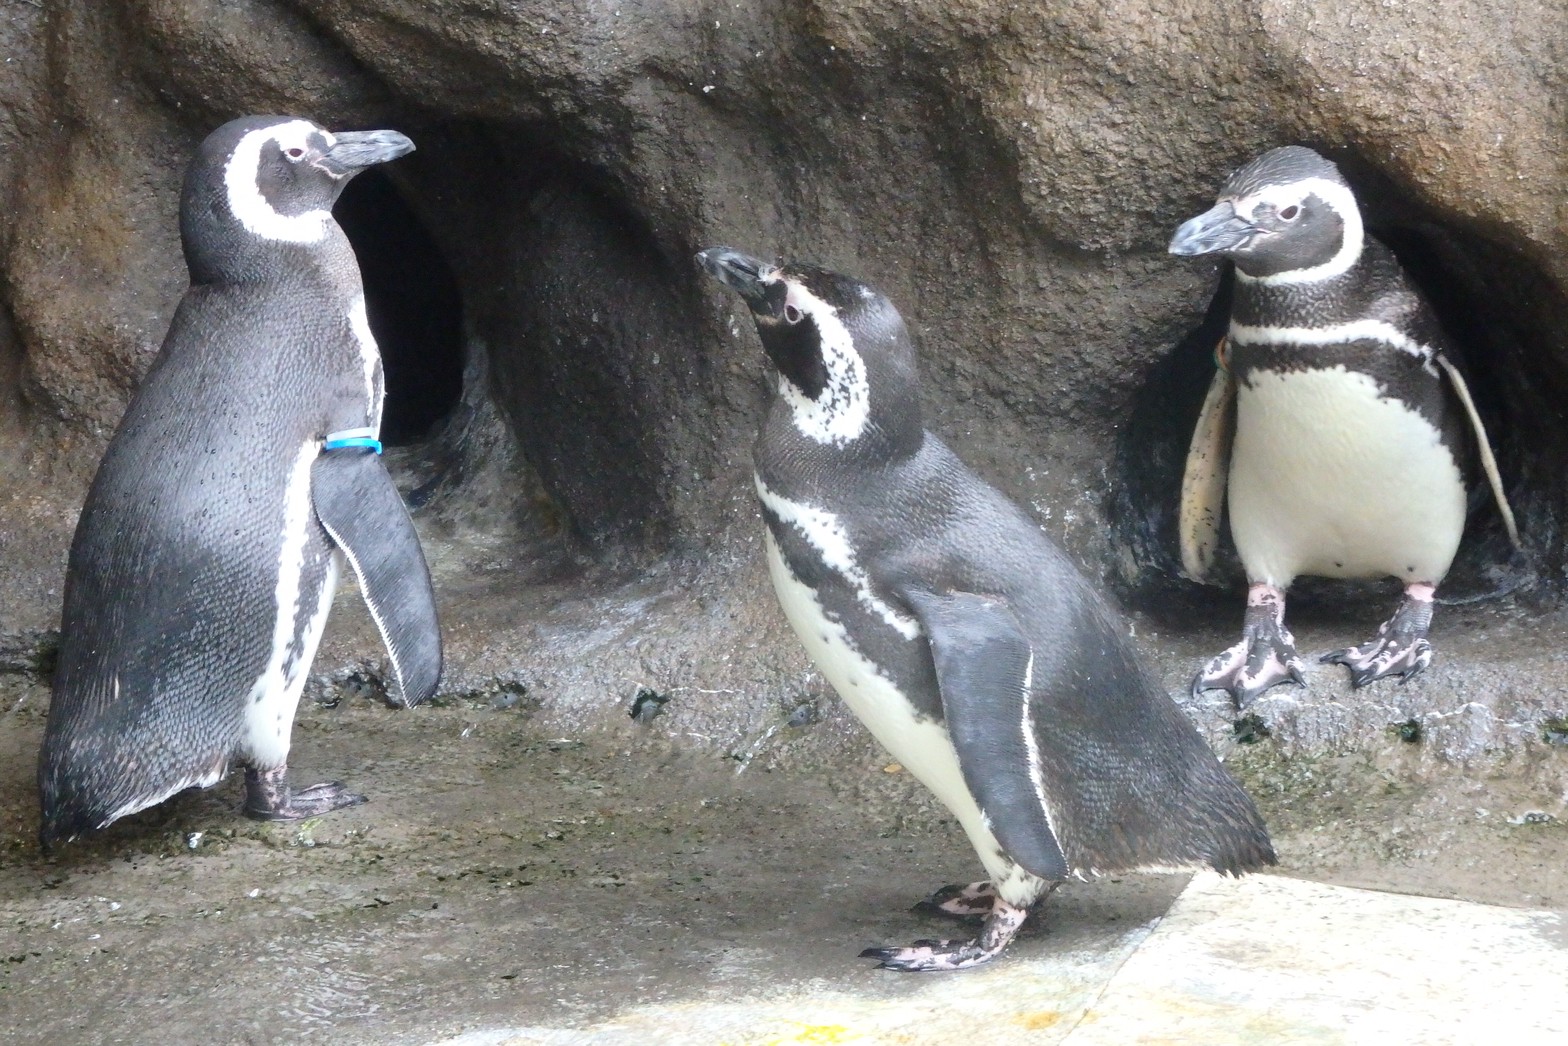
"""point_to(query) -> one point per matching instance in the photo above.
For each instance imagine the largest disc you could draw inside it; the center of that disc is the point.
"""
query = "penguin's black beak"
(353, 151)
(1214, 231)
(739, 272)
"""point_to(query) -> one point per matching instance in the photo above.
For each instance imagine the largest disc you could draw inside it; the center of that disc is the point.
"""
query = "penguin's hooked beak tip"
(353, 151)
(1215, 231)
(739, 272)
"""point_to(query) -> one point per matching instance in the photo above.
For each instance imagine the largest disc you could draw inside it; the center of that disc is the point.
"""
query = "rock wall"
(1009, 174)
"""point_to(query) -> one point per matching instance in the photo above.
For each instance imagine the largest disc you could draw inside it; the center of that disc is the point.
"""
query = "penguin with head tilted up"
(244, 470)
(960, 635)
(1343, 432)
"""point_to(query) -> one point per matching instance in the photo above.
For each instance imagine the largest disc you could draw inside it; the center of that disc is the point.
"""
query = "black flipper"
(983, 666)
(362, 512)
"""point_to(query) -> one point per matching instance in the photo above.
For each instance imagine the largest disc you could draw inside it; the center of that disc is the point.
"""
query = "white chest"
(921, 746)
(1330, 478)
(300, 617)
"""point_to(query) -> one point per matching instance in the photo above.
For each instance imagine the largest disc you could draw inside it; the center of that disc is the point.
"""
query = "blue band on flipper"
(365, 437)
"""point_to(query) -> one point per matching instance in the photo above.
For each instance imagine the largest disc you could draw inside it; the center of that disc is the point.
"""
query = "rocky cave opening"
(531, 315)
(1495, 306)
(413, 303)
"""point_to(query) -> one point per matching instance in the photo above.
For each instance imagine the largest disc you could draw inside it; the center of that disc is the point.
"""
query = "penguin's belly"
(1330, 478)
(920, 744)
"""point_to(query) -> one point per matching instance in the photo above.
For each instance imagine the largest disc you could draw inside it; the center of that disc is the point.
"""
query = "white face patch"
(370, 357)
(246, 201)
(1336, 334)
(840, 413)
(827, 535)
(1338, 197)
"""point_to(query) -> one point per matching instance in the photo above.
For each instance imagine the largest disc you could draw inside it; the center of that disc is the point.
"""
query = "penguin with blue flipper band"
(1337, 427)
(966, 641)
(245, 469)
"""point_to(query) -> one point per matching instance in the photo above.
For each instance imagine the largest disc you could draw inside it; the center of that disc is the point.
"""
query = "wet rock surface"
(512, 870)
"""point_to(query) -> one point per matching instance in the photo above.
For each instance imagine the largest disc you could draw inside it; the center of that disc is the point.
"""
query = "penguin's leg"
(1001, 925)
(961, 900)
(1400, 647)
(1265, 657)
(268, 796)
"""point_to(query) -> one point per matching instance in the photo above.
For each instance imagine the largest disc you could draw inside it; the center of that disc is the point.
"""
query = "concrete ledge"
(1261, 960)
(1274, 960)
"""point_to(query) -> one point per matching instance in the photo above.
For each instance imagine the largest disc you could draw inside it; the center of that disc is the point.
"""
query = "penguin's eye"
(295, 153)
(792, 314)
(1289, 213)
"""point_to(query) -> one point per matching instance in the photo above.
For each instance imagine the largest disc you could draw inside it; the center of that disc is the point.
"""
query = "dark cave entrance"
(1497, 310)
(536, 328)
(414, 305)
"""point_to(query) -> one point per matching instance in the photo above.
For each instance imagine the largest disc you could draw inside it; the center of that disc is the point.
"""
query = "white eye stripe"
(246, 201)
(842, 409)
(1339, 199)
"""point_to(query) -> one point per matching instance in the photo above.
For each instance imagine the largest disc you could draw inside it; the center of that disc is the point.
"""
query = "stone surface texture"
(1273, 960)
(1009, 173)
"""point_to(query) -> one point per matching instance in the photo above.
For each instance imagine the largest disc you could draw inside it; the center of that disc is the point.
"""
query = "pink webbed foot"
(268, 797)
(1265, 657)
(960, 901)
(1400, 647)
(1001, 925)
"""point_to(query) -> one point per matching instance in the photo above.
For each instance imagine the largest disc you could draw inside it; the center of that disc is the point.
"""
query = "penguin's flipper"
(1483, 445)
(363, 513)
(1208, 468)
(984, 665)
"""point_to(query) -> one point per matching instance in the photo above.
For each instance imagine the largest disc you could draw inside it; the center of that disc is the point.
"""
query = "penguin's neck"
(788, 453)
(330, 264)
(1318, 303)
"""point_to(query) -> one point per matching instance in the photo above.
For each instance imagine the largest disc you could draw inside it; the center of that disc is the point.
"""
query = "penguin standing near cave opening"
(959, 634)
(1342, 431)
(247, 464)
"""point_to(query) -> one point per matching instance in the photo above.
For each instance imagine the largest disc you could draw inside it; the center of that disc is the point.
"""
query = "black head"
(1288, 216)
(842, 351)
(271, 180)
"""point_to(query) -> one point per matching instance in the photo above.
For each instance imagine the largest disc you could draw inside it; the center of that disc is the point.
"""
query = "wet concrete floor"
(507, 875)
